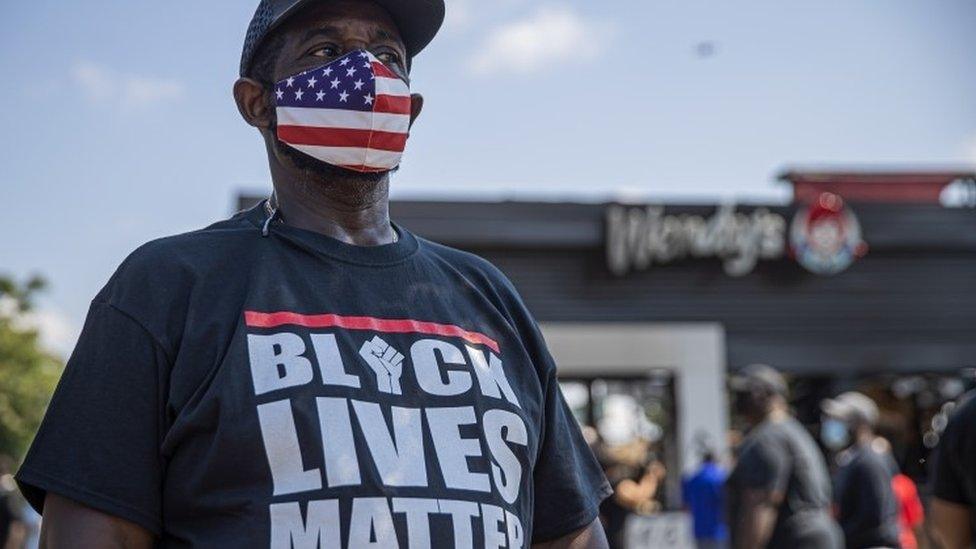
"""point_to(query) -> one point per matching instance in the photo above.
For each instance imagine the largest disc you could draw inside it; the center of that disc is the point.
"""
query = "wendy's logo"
(826, 236)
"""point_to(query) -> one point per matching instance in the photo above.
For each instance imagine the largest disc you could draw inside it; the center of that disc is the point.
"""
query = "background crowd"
(838, 483)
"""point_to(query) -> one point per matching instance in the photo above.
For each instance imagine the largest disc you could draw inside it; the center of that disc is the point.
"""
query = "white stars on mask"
(341, 84)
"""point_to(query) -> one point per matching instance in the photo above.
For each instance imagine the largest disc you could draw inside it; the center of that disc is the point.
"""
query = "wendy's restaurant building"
(864, 281)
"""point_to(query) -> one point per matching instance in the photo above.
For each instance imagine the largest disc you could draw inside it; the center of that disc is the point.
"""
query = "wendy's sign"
(641, 237)
(825, 237)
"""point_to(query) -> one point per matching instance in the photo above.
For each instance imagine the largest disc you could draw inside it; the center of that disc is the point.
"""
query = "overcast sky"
(120, 128)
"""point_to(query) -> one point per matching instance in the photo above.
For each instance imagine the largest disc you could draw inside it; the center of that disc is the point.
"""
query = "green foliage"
(28, 374)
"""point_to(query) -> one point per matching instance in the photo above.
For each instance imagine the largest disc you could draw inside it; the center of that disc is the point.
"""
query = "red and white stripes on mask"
(353, 113)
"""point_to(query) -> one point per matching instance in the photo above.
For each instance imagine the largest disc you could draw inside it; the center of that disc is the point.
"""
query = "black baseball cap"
(417, 20)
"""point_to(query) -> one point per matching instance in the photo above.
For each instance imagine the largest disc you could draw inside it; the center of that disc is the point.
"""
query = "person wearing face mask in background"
(778, 494)
(865, 502)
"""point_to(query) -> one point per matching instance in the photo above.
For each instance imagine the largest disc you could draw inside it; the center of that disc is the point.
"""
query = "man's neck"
(777, 413)
(361, 218)
(864, 437)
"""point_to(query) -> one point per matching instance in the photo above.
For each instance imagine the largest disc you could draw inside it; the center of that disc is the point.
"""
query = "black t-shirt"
(954, 470)
(234, 390)
(866, 504)
(780, 456)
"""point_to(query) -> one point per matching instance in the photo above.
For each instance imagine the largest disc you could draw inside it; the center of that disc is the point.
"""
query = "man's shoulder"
(466, 263)
(792, 432)
(865, 459)
(708, 475)
(965, 413)
(715, 473)
(455, 255)
(757, 442)
(483, 277)
(159, 283)
(958, 434)
(772, 430)
(778, 437)
(166, 263)
(201, 245)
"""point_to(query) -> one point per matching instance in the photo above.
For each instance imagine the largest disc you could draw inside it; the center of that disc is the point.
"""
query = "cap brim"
(835, 409)
(739, 383)
(748, 380)
(417, 20)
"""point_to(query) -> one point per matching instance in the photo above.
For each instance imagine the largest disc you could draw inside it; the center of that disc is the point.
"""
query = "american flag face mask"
(353, 113)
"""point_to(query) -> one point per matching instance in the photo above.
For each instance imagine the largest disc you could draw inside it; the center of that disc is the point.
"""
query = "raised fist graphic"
(386, 362)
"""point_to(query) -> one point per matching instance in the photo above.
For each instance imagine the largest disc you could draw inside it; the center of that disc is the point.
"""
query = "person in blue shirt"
(702, 493)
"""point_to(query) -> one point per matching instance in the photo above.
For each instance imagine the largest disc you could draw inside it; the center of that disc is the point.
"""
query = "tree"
(28, 373)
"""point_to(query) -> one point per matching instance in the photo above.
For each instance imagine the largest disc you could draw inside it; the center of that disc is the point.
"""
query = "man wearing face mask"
(865, 501)
(778, 495)
(308, 373)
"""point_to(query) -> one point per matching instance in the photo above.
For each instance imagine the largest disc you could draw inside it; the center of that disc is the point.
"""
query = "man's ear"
(252, 102)
(416, 106)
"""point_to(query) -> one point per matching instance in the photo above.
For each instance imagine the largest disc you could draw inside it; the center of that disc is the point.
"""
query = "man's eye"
(389, 58)
(326, 51)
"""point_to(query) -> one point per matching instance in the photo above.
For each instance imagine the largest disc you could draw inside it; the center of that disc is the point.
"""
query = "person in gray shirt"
(779, 493)
(866, 506)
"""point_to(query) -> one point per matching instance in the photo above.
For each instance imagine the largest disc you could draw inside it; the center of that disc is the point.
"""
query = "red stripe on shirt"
(343, 137)
(276, 320)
